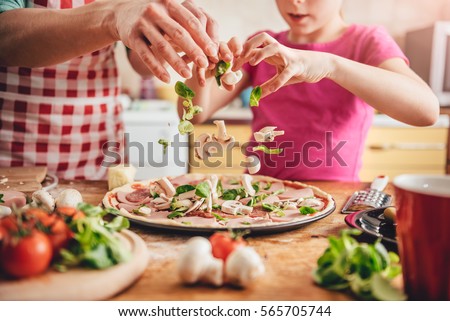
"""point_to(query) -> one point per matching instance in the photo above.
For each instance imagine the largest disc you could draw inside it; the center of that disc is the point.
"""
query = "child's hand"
(227, 52)
(292, 65)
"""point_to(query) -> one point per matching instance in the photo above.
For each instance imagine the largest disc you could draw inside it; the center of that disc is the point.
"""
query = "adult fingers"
(201, 76)
(277, 82)
(162, 47)
(176, 32)
(152, 63)
(191, 20)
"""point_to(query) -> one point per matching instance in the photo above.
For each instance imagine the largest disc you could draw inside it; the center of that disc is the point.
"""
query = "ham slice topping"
(292, 193)
(13, 197)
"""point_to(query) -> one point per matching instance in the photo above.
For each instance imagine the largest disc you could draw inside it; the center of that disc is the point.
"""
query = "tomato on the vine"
(223, 244)
(27, 255)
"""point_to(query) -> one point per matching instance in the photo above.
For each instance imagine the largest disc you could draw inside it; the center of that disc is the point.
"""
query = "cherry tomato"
(224, 243)
(40, 215)
(59, 235)
(9, 223)
(70, 212)
(27, 256)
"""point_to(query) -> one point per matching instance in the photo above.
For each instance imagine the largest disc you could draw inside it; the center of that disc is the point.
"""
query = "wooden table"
(289, 257)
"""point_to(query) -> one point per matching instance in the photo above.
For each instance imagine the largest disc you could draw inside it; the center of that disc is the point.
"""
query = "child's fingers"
(225, 52)
(259, 55)
(227, 87)
(260, 40)
(277, 82)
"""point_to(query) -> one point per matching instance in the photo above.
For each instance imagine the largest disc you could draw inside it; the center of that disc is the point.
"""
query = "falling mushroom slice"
(253, 164)
(222, 136)
(199, 148)
(232, 78)
(267, 134)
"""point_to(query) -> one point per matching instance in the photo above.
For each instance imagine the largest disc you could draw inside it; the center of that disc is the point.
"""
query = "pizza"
(219, 201)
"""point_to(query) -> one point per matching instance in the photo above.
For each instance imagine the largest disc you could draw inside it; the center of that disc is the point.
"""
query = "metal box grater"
(368, 199)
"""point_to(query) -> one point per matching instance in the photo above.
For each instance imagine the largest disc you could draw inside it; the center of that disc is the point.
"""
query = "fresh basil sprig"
(203, 190)
(255, 96)
(189, 111)
(305, 210)
(364, 269)
(183, 189)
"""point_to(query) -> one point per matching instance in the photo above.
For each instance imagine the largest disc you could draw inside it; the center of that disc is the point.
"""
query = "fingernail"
(186, 73)
(212, 49)
(202, 62)
(165, 78)
(228, 57)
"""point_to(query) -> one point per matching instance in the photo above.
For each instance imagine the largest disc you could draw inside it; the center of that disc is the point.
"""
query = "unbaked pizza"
(219, 201)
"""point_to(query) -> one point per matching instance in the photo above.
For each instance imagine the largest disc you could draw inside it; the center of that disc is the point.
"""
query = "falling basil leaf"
(221, 69)
(268, 150)
(255, 96)
(185, 127)
(184, 91)
(164, 143)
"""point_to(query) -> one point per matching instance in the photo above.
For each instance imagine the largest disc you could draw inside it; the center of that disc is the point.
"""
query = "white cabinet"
(145, 123)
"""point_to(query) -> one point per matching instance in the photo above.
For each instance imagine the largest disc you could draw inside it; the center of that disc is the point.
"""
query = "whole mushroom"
(253, 164)
(69, 198)
(243, 266)
(197, 264)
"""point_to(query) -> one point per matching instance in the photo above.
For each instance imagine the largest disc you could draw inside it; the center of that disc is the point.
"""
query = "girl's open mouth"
(297, 17)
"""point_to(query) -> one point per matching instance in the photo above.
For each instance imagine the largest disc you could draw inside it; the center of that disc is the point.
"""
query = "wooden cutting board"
(81, 284)
(22, 179)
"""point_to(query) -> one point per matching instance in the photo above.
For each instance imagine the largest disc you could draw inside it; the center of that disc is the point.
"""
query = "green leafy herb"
(185, 127)
(219, 188)
(256, 187)
(203, 190)
(94, 245)
(218, 217)
(365, 269)
(255, 96)
(278, 192)
(189, 111)
(251, 202)
(216, 207)
(184, 91)
(186, 223)
(1, 198)
(221, 69)
(184, 188)
(269, 184)
(246, 223)
(267, 150)
(307, 210)
(269, 207)
(164, 143)
(178, 206)
(175, 214)
(231, 194)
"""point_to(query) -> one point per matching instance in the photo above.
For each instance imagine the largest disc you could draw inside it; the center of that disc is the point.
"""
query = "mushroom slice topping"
(247, 183)
(187, 195)
(167, 186)
(253, 164)
(195, 206)
(313, 203)
(267, 134)
(231, 207)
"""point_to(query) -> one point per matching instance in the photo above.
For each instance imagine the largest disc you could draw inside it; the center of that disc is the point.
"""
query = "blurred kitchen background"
(392, 148)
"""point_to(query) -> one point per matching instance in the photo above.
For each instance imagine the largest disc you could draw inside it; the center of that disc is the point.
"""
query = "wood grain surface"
(289, 257)
(23, 179)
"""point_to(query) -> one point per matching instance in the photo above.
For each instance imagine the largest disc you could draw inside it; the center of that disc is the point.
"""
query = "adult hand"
(156, 29)
(292, 65)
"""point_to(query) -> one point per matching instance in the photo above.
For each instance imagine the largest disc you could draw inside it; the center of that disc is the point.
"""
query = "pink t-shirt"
(325, 125)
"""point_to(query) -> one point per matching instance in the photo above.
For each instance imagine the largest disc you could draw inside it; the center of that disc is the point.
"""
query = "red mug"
(423, 235)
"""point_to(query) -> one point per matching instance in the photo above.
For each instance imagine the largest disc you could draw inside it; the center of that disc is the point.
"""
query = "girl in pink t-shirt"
(320, 80)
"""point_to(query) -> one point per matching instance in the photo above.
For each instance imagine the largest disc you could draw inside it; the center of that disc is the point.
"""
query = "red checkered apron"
(61, 116)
